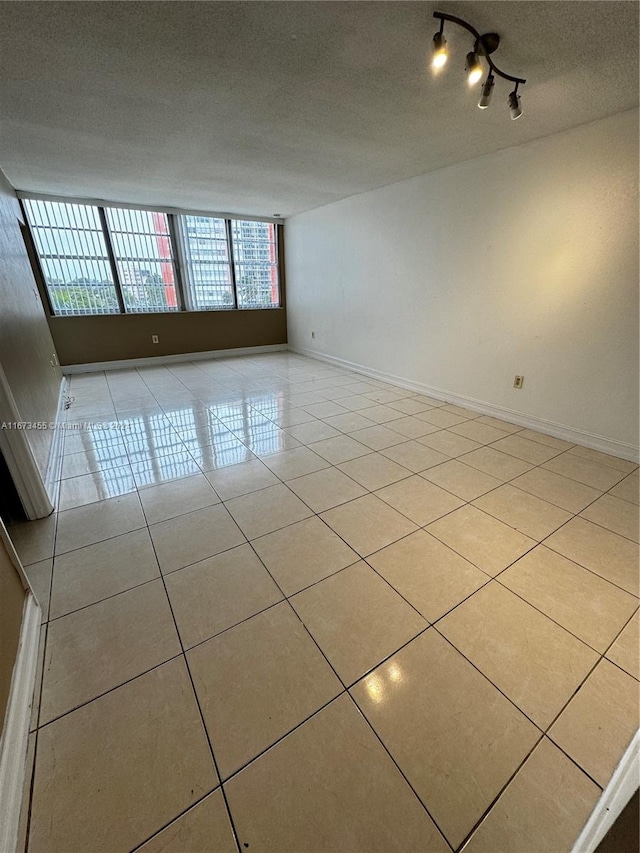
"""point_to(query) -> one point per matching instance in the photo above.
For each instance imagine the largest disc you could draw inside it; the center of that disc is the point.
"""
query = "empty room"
(319, 389)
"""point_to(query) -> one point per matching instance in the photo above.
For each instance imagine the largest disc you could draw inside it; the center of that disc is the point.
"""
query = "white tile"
(188, 538)
(340, 449)
(294, 463)
(266, 510)
(98, 521)
(177, 498)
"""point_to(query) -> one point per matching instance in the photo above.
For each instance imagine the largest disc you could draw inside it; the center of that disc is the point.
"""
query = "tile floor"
(291, 609)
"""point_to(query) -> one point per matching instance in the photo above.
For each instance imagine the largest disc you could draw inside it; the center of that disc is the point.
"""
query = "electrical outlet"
(155, 339)
(313, 334)
(518, 382)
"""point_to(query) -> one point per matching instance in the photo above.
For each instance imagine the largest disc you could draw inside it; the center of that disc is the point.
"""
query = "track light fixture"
(483, 47)
(440, 52)
(514, 104)
(487, 89)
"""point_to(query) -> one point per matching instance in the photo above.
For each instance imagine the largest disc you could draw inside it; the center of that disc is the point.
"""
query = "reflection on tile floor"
(292, 609)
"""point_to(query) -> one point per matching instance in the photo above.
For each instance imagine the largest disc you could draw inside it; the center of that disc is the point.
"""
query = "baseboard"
(91, 367)
(15, 734)
(624, 783)
(54, 464)
(568, 433)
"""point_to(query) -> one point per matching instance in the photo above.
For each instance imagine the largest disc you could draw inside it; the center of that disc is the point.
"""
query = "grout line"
(173, 820)
(511, 779)
(101, 600)
(401, 772)
(493, 802)
(109, 690)
(602, 527)
(601, 657)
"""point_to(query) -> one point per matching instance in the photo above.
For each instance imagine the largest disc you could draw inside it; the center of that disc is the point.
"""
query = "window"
(256, 263)
(142, 251)
(206, 258)
(73, 257)
(109, 260)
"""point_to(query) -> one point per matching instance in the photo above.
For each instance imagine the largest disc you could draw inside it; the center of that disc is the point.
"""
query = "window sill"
(168, 313)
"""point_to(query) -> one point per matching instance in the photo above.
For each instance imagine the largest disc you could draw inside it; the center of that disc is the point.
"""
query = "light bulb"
(440, 52)
(474, 69)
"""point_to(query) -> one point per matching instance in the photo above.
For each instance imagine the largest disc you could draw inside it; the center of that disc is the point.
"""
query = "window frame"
(188, 282)
(177, 238)
(238, 263)
(110, 231)
(51, 232)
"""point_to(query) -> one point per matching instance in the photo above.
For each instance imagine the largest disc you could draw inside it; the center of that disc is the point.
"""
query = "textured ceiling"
(278, 107)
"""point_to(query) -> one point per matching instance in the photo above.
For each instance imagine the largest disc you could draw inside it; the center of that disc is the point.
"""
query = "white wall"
(524, 261)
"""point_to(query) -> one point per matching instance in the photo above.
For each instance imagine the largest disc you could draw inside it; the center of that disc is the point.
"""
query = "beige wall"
(11, 606)
(521, 262)
(82, 340)
(27, 351)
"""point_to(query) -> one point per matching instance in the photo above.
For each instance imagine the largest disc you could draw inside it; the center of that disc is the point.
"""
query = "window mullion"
(112, 259)
(280, 273)
(175, 236)
(232, 261)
